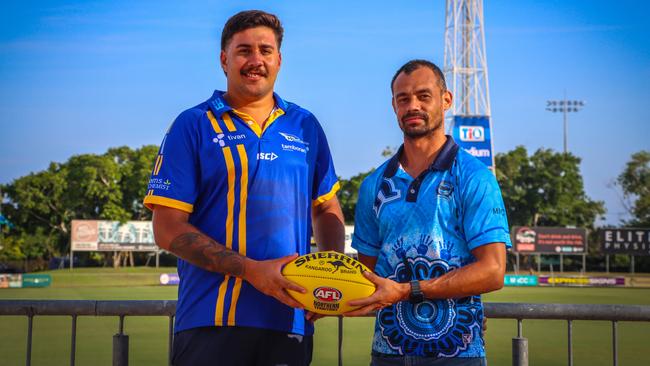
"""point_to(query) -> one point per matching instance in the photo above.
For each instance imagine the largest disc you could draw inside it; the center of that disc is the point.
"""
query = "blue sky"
(80, 77)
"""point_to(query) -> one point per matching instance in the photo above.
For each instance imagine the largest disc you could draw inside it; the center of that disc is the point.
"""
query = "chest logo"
(293, 138)
(387, 193)
(267, 156)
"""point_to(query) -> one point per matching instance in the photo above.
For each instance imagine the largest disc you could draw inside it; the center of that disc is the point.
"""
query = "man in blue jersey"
(431, 224)
(239, 182)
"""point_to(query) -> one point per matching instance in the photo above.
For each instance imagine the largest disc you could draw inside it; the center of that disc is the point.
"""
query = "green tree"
(635, 182)
(545, 189)
(89, 186)
(348, 195)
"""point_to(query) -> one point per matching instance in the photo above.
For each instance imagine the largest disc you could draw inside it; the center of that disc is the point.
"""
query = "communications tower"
(466, 72)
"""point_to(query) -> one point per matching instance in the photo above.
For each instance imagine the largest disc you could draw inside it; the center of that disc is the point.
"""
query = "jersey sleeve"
(326, 183)
(484, 214)
(366, 224)
(174, 178)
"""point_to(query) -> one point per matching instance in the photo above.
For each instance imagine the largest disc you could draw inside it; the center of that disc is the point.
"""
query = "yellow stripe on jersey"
(228, 121)
(158, 165)
(213, 121)
(150, 201)
(230, 166)
(243, 196)
(218, 316)
(327, 196)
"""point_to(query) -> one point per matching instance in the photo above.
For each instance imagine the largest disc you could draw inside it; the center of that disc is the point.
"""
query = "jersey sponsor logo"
(472, 133)
(222, 138)
(289, 147)
(219, 140)
(387, 193)
(293, 138)
(160, 184)
(270, 156)
(327, 294)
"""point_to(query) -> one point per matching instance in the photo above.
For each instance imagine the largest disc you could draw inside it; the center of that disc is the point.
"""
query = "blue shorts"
(240, 346)
(390, 360)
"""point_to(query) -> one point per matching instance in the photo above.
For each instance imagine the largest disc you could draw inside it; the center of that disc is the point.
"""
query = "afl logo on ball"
(327, 294)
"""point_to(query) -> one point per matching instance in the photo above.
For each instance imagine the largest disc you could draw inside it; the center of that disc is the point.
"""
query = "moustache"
(253, 69)
(421, 115)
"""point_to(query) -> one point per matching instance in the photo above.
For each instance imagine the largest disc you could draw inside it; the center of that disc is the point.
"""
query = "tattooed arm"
(175, 234)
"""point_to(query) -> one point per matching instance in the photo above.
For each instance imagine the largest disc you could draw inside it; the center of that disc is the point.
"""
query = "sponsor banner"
(169, 279)
(473, 135)
(549, 240)
(520, 280)
(625, 241)
(108, 236)
(581, 281)
(11, 280)
(36, 280)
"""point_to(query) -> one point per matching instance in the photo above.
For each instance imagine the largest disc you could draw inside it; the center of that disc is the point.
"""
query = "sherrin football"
(331, 280)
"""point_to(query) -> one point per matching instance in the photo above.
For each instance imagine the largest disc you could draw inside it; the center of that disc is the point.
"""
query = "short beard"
(421, 131)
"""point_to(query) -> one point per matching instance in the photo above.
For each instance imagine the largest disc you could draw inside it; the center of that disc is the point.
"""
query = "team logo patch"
(387, 193)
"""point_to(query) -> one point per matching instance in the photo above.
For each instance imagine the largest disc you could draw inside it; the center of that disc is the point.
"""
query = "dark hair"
(251, 19)
(413, 65)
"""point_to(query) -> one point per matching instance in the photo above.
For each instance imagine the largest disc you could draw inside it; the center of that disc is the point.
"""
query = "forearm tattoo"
(206, 253)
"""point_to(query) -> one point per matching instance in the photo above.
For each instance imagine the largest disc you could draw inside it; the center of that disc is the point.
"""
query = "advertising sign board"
(581, 281)
(473, 135)
(520, 280)
(549, 240)
(108, 236)
(625, 241)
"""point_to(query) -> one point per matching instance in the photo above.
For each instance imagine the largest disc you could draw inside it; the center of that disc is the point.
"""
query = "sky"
(83, 76)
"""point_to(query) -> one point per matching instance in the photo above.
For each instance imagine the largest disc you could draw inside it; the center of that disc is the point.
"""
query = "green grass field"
(148, 335)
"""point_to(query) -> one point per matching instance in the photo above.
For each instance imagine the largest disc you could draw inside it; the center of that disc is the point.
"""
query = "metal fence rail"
(122, 309)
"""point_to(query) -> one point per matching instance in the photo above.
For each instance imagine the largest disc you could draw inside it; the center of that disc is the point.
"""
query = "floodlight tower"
(466, 73)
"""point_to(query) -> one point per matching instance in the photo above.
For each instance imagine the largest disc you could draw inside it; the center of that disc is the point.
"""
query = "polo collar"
(219, 106)
(443, 161)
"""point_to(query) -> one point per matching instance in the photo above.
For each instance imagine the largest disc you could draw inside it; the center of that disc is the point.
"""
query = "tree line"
(544, 188)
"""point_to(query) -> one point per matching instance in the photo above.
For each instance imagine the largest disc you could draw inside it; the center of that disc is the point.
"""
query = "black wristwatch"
(416, 296)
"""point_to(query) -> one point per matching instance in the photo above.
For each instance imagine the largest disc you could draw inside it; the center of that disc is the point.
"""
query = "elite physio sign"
(625, 241)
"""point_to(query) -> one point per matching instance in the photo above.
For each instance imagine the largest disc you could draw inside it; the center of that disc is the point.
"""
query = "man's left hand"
(387, 293)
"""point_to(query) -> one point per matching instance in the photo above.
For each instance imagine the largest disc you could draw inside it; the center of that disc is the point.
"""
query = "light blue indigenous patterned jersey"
(423, 228)
(249, 189)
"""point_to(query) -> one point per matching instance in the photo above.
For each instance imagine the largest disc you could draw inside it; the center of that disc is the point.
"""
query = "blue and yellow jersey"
(422, 228)
(250, 189)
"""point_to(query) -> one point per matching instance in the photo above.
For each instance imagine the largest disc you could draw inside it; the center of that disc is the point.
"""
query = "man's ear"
(224, 61)
(447, 99)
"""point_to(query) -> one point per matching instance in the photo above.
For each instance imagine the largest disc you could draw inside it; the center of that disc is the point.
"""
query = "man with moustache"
(238, 184)
(431, 224)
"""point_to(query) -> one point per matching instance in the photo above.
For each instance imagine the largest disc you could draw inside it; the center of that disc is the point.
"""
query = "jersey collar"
(443, 161)
(218, 105)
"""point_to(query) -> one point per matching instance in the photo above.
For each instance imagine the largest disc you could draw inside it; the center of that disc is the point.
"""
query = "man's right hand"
(266, 276)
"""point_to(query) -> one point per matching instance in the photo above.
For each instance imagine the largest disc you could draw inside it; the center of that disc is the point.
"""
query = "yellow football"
(331, 280)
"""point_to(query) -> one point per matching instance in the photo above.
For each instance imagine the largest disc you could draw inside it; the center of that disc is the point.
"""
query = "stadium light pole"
(565, 106)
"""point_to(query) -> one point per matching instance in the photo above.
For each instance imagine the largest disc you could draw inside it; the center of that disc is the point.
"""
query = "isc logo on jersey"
(472, 133)
(327, 294)
(267, 156)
